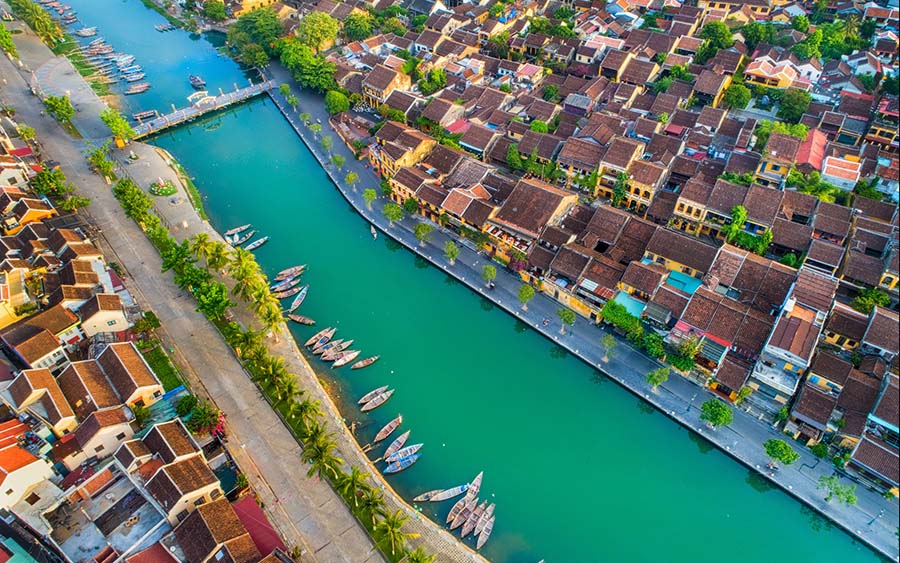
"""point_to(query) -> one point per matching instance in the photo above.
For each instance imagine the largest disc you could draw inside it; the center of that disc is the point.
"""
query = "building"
(20, 470)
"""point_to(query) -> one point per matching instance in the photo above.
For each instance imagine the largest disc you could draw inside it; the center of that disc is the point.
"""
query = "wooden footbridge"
(201, 103)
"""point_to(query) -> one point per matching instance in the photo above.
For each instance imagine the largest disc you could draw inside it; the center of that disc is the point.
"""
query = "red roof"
(22, 151)
(10, 432)
(15, 457)
(261, 531)
(459, 126)
(156, 553)
(77, 476)
(812, 150)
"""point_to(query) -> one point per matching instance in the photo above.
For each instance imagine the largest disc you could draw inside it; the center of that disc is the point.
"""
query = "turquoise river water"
(580, 469)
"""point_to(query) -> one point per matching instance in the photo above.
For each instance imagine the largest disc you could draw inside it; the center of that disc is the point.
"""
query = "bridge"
(201, 103)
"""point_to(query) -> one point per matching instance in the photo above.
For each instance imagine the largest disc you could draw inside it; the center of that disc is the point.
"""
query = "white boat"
(377, 401)
(345, 359)
(371, 394)
(484, 518)
(405, 452)
(388, 429)
(257, 243)
(299, 299)
(447, 494)
(485, 533)
(236, 230)
(398, 443)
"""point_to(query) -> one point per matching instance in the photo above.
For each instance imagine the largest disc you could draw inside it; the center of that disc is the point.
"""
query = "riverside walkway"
(201, 103)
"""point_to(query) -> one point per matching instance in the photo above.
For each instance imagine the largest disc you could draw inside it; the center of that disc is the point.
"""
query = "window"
(110, 323)
(98, 449)
(8, 492)
(198, 502)
(215, 494)
(120, 436)
(182, 515)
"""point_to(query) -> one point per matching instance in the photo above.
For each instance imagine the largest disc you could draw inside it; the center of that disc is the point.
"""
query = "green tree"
(652, 343)
(794, 103)
(317, 29)
(321, 456)
(60, 108)
(526, 294)
(435, 80)
(352, 485)
(351, 179)
(6, 42)
(513, 158)
(372, 504)
(74, 203)
(26, 133)
(620, 189)
(392, 212)
(39, 20)
(845, 494)
(316, 128)
(51, 182)
(390, 530)
(566, 317)
(336, 102)
(307, 411)
(212, 300)
(244, 270)
(488, 273)
(539, 126)
(551, 93)
(393, 25)
(718, 34)
(758, 32)
(608, 343)
(410, 205)
(765, 129)
(868, 298)
(810, 47)
(422, 232)
(101, 163)
(214, 10)
(779, 450)
(358, 26)
(737, 96)
(716, 413)
(327, 143)
(663, 118)
(369, 196)
(309, 69)
(742, 394)
(738, 220)
(451, 251)
(142, 415)
(284, 89)
(420, 556)
(338, 161)
(800, 23)
(118, 125)
(657, 377)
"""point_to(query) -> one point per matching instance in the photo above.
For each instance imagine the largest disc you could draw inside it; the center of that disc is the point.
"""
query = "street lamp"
(691, 404)
(876, 517)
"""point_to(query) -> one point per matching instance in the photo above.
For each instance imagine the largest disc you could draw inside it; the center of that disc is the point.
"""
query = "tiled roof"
(86, 388)
(827, 365)
(530, 206)
(888, 408)
(582, 154)
(207, 528)
(878, 456)
(644, 277)
(883, 330)
(783, 147)
(13, 458)
(126, 369)
(169, 440)
(814, 406)
(847, 322)
(732, 373)
(176, 480)
(683, 249)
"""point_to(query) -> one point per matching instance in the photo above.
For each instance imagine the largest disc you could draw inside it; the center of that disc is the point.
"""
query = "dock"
(201, 103)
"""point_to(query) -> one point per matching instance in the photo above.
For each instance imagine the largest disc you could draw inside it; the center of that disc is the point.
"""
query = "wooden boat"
(133, 77)
(364, 363)
(197, 82)
(374, 232)
(464, 514)
(484, 518)
(450, 493)
(336, 353)
(257, 243)
(299, 299)
(137, 88)
(346, 359)
(397, 444)
(301, 319)
(86, 32)
(425, 497)
(287, 293)
(325, 333)
(379, 400)
(485, 533)
(148, 114)
(238, 239)
(285, 284)
(404, 452)
(289, 272)
(402, 464)
(388, 429)
(475, 486)
(319, 350)
(472, 520)
(371, 395)
(454, 512)
(236, 230)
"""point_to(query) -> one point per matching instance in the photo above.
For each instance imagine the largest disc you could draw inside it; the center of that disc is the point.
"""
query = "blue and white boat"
(402, 464)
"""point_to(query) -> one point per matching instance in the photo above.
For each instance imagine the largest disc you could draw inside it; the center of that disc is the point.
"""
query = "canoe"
(299, 299)
(239, 240)
(374, 232)
(338, 352)
(464, 514)
(450, 493)
(457, 508)
(472, 520)
(325, 333)
(288, 272)
(475, 486)
(388, 429)
(364, 363)
(346, 359)
(377, 401)
(287, 293)
(484, 518)
(319, 350)
(402, 464)
(301, 319)
(285, 285)
(404, 452)
(371, 395)
(425, 497)
(257, 243)
(398, 443)
(485, 533)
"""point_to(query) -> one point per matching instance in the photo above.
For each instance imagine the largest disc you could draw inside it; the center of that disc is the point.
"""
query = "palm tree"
(247, 344)
(177, 257)
(201, 246)
(270, 369)
(851, 27)
(286, 388)
(304, 117)
(271, 318)
(308, 411)
(217, 255)
(242, 267)
(373, 503)
(352, 484)
(391, 528)
(322, 458)
(420, 556)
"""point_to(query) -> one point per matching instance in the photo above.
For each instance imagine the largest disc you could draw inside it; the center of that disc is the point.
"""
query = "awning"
(712, 350)
(658, 313)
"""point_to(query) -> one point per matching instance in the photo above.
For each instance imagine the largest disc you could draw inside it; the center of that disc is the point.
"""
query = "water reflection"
(520, 327)
(644, 407)
(759, 483)
(421, 263)
(557, 352)
(486, 304)
(704, 445)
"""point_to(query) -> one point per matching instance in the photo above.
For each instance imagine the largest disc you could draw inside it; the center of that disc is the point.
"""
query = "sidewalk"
(677, 398)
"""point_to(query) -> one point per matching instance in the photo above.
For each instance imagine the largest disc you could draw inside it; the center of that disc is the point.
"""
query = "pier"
(201, 102)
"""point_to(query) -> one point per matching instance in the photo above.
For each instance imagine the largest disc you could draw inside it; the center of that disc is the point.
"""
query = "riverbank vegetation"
(303, 415)
(38, 20)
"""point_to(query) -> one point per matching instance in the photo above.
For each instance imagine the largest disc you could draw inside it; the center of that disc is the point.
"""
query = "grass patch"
(162, 366)
(192, 192)
(159, 10)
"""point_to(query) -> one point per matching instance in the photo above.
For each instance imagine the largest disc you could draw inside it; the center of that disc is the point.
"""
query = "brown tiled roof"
(478, 137)
(126, 369)
(582, 154)
(605, 273)
(827, 365)
(725, 196)
(857, 400)
(436, 109)
(876, 209)
(169, 440)
(814, 290)
(540, 257)
(100, 302)
(710, 83)
(795, 335)
(380, 77)
(78, 272)
(543, 144)
(556, 236)
(86, 388)
(754, 332)
(883, 330)
(569, 263)
(825, 252)
(478, 212)
(639, 72)
(832, 219)
(176, 480)
(674, 300)
(647, 173)
(862, 267)
(55, 320)
(847, 322)
(131, 450)
(683, 249)
(614, 59)
(207, 528)
(644, 277)
(622, 151)
(793, 236)
(888, 408)
(878, 456)
(98, 420)
(783, 147)
(732, 373)
(53, 400)
(814, 406)
(742, 163)
(443, 159)
(530, 206)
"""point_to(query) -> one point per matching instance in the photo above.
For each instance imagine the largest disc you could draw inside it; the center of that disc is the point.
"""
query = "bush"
(185, 405)
(820, 450)
(141, 414)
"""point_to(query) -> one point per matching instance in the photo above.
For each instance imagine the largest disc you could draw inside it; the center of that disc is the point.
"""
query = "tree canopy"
(794, 103)
(716, 413)
(358, 26)
(779, 450)
(737, 96)
(6, 42)
(118, 125)
(336, 102)
(310, 70)
(60, 108)
(317, 29)
(214, 10)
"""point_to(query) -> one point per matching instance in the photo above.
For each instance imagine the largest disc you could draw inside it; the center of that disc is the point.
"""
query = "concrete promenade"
(678, 398)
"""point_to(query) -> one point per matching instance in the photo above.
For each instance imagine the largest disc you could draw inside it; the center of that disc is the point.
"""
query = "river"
(580, 469)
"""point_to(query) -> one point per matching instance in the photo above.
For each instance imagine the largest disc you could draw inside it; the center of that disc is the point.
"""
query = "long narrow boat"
(460, 504)
(288, 272)
(325, 333)
(364, 363)
(465, 513)
(402, 464)
(236, 230)
(485, 533)
(285, 285)
(404, 452)
(397, 444)
(337, 352)
(301, 319)
(472, 520)
(377, 401)
(371, 395)
(319, 350)
(425, 497)
(241, 239)
(475, 486)
(287, 293)
(299, 299)
(484, 518)
(450, 493)
(388, 429)
(345, 359)
(257, 243)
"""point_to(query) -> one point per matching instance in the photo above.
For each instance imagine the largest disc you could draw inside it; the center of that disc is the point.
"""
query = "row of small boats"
(337, 351)
(239, 235)
(163, 27)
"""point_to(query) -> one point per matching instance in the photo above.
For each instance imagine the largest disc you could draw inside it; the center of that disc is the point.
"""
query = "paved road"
(307, 511)
(678, 398)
